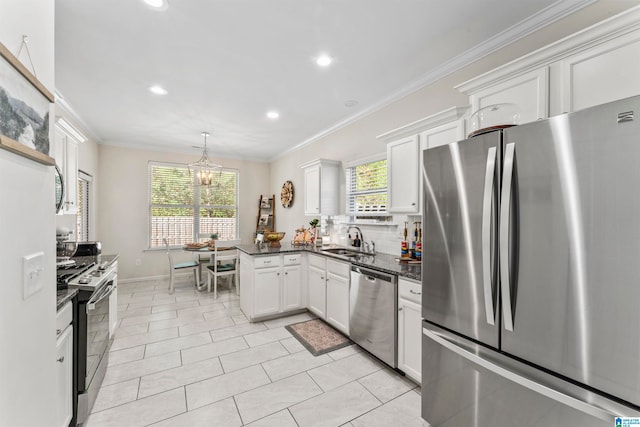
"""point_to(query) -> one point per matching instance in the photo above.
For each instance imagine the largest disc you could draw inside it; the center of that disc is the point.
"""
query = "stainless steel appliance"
(373, 304)
(530, 273)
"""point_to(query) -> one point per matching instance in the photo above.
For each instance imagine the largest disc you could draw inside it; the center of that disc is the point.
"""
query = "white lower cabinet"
(317, 284)
(338, 281)
(270, 284)
(410, 328)
(64, 366)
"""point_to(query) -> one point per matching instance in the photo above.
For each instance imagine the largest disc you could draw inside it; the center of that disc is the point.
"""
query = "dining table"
(205, 253)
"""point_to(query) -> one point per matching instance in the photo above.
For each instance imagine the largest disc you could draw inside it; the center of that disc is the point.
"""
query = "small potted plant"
(314, 231)
(212, 242)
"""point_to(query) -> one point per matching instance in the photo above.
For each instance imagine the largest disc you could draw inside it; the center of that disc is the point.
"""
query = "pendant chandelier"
(204, 170)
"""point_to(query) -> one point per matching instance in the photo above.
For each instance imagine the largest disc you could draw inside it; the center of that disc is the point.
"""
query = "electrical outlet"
(138, 262)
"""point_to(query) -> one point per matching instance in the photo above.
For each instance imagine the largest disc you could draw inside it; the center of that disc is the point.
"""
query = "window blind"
(367, 188)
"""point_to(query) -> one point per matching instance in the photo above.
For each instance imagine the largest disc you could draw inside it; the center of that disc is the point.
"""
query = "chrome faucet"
(358, 229)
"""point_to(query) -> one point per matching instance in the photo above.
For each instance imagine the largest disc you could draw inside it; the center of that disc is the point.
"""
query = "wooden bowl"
(274, 238)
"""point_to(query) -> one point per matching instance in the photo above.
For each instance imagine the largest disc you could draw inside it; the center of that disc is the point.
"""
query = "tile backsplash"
(387, 236)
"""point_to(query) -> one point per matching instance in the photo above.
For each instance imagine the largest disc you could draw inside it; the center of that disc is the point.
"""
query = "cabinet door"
(338, 302)
(312, 190)
(409, 339)
(64, 367)
(317, 291)
(71, 176)
(291, 287)
(267, 291)
(403, 180)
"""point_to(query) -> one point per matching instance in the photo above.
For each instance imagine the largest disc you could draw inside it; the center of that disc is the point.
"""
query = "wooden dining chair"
(194, 265)
(223, 263)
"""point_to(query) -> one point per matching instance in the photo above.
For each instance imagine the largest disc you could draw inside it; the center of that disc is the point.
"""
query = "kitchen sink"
(345, 252)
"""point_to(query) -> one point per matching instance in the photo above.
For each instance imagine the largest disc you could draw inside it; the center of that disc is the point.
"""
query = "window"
(82, 216)
(367, 187)
(186, 213)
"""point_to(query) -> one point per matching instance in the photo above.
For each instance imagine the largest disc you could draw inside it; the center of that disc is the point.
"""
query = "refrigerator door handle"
(487, 256)
(505, 200)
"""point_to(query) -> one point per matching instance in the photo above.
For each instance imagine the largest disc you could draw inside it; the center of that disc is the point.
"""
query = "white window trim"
(354, 216)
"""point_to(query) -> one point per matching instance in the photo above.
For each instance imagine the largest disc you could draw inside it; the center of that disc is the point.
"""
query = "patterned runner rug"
(318, 337)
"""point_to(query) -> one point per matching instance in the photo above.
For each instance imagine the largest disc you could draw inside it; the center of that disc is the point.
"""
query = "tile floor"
(189, 360)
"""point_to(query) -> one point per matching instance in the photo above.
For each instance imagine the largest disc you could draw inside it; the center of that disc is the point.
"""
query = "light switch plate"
(32, 274)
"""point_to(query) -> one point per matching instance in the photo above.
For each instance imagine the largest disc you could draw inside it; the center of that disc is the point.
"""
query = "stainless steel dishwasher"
(373, 320)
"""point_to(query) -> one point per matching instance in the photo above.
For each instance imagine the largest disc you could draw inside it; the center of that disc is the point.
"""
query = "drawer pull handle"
(411, 291)
(61, 359)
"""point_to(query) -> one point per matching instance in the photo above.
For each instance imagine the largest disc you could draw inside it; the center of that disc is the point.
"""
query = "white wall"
(124, 205)
(27, 225)
(358, 140)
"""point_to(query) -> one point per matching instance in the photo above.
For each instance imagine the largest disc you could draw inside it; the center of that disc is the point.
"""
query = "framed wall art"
(24, 111)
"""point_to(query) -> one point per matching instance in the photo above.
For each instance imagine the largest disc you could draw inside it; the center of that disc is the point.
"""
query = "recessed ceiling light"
(157, 4)
(324, 60)
(273, 115)
(158, 90)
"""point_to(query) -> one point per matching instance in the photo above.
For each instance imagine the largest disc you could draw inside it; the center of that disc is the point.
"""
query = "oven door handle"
(91, 304)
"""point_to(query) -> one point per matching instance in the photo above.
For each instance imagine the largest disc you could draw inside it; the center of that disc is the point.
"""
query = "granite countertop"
(381, 262)
(65, 295)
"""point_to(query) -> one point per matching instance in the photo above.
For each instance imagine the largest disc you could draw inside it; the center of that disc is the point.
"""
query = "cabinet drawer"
(64, 317)
(318, 261)
(411, 291)
(267, 261)
(338, 268)
(291, 259)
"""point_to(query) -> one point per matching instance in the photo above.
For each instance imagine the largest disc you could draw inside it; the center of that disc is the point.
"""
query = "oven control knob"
(102, 266)
(84, 280)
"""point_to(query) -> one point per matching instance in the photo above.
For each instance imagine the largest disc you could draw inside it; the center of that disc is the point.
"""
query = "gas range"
(86, 273)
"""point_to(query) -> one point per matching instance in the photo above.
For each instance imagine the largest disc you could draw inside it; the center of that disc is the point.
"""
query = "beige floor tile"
(141, 412)
(116, 394)
(134, 312)
(180, 376)
(264, 337)
(175, 344)
(177, 321)
(174, 306)
(201, 309)
(127, 371)
(279, 419)
(215, 349)
(402, 411)
(343, 352)
(239, 319)
(336, 407)
(236, 331)
(221, 387)
(271, 398)
(207, 325)
(127, 355)
(287, 366)
(125, 331)
(252, 356)
(340, 372)
(386, 384)
(222, 414)
(146, 338)
(293, 345)
(148, 318)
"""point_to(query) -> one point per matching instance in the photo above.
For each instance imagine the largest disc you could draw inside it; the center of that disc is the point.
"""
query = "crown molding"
(585, 39)
(543, 18)
(70, 115)
(447, 116)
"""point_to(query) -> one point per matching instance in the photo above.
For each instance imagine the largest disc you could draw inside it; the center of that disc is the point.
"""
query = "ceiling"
(225, 63)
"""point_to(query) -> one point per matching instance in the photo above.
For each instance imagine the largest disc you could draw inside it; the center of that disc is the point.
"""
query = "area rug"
(318, 337)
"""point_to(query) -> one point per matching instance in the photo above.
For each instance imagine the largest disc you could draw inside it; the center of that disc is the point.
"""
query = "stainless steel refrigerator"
(531, 273)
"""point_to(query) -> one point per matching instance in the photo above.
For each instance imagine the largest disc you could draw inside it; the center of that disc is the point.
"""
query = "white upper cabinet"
(403, 183)
(529, 92)
(67, 140)
(321, 187)
(404, 159)
(596, 65)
